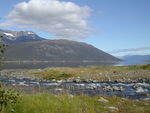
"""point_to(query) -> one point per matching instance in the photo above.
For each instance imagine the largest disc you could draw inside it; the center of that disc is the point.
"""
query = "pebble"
(111, 107)
(139, 90)
(103, 100)
(23, 84)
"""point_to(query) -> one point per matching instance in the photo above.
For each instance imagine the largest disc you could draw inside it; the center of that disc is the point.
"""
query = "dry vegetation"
(94, 73)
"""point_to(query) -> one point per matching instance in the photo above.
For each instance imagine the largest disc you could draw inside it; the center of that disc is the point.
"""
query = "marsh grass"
(46, 103)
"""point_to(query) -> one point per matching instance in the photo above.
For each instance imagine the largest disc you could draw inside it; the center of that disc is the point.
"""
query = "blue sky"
(115, 24)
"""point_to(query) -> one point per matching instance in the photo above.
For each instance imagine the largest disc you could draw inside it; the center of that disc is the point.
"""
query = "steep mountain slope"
(57, 50)
(19, 36)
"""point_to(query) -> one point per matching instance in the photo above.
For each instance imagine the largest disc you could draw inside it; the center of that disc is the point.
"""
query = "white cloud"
(59, 18)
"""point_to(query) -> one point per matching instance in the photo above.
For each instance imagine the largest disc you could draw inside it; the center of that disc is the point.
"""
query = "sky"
(119, 27)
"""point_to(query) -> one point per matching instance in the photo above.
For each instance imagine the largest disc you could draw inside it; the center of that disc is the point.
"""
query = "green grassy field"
(46, 103)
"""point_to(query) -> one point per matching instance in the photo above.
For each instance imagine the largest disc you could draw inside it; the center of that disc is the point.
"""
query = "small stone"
(58, 89)
(103, 100)
(111, 107)
(139, 90)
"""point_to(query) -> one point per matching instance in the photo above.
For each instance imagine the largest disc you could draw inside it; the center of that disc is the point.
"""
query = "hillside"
(57, 50)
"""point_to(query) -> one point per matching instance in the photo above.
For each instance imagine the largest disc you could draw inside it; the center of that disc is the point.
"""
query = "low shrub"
(54, 74)
(8, 97)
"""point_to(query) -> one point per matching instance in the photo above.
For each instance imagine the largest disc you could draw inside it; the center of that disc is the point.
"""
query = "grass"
(46, 103)
(54, 74)
(90, 72)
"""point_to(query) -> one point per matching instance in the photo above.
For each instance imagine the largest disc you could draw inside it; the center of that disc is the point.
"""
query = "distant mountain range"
(135, 59)
(26, 45)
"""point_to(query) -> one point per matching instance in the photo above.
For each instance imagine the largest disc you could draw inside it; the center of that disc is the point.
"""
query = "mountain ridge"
(12, 37)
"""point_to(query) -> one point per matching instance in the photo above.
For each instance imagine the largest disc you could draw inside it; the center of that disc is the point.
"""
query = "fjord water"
(129, 62)
(40, 64)
(45, 64)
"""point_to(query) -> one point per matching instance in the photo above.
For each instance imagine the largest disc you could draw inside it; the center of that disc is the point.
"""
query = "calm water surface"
(37, 65)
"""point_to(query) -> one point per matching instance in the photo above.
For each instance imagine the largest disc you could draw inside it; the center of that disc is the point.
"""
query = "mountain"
(19, 36)
(56, 50)
(26, 45)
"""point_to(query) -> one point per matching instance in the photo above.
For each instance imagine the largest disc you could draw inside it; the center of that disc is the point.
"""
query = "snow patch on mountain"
(30, 33)
(9, 34)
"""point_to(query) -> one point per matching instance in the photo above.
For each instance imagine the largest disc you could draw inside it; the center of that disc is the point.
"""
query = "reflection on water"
(45, 64)
(36, 65)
